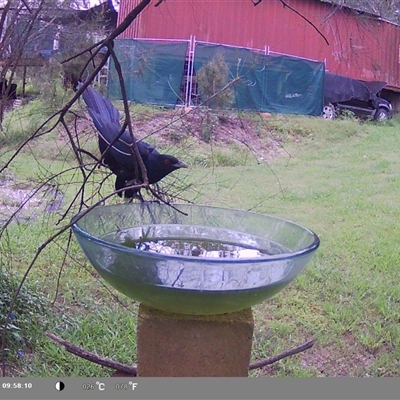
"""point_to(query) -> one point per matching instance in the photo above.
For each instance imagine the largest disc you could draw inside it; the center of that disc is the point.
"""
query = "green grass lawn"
(339, 178)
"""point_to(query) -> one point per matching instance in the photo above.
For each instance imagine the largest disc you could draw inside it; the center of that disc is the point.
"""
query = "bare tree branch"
(92, 357)
(256, 2)
(305, 19)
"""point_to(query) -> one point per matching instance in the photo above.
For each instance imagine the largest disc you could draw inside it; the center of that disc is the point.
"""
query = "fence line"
(189, 76)
(189, 95)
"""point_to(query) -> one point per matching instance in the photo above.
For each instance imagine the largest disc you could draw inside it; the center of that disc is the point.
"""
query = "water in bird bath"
(195, 241)
(194, 248)
(201, 243)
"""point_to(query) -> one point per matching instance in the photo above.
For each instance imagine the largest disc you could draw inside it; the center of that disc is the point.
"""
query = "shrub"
(212, 78)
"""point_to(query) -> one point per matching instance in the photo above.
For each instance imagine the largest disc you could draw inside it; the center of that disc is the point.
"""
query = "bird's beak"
(180, 164)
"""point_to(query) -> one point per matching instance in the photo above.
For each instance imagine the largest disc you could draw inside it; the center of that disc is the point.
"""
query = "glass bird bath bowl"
(199, 261)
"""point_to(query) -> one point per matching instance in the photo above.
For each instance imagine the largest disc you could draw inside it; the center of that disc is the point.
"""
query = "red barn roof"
(361, 45)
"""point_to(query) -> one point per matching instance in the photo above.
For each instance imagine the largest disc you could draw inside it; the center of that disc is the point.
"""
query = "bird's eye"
(167, 161)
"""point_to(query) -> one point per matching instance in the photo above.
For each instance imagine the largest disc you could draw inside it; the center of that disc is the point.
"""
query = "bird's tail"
(106, 120)
(96, 103)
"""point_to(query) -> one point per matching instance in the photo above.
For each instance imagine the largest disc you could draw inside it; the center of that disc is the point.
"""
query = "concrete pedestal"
(175, 345)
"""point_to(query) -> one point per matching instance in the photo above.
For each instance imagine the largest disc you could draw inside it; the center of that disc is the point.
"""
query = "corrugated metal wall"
(359, 47)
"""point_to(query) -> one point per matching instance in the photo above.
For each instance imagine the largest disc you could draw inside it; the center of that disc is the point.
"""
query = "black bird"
(119, 156)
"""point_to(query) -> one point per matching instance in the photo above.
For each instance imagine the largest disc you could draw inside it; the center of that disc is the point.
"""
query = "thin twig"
(305, 19)
(257, 2)
(138, 161)
(267, 361)
(60, 271)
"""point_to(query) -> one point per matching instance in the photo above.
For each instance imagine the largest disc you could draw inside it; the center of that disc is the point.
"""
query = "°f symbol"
(60, 386)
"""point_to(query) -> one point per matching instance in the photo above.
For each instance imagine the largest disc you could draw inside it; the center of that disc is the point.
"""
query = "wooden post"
(177, 345)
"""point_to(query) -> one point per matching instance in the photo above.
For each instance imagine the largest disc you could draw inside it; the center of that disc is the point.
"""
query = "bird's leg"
(143, 201)
(136, 195)
(140, 197)
(132, 188)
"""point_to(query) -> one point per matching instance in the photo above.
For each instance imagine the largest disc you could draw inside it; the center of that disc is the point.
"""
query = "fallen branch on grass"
(105, 362)
(267, 361)
(131, 370)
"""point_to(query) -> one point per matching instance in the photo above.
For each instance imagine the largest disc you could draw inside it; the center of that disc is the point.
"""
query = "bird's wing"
(145, 148)
(120, 148)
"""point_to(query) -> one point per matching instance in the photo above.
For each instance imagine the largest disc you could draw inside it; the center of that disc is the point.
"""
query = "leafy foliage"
(212, 79)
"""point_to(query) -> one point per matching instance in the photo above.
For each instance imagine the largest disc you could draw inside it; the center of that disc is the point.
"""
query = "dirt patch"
(345, 360)
(170, 128)
(349, 360)
(23, 203)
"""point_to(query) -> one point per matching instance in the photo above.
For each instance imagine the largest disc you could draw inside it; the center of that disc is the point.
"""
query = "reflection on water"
(194, 248)
(198, 271)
